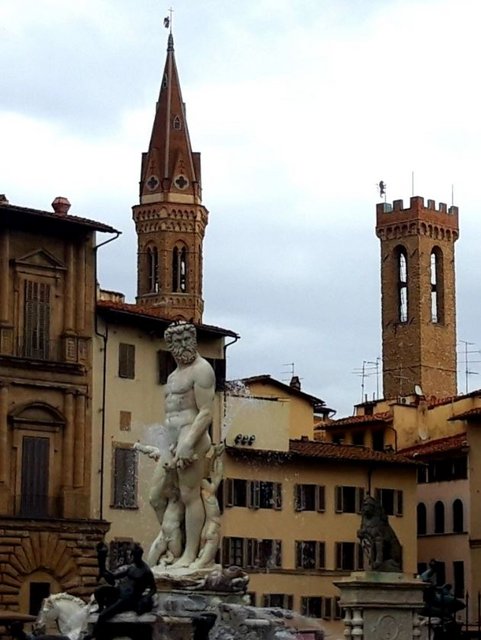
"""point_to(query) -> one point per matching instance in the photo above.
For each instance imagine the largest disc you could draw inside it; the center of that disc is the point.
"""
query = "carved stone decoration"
(387, 628)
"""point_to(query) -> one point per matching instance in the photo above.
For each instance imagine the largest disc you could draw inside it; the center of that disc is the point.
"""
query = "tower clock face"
(181, 182)
(152, 183)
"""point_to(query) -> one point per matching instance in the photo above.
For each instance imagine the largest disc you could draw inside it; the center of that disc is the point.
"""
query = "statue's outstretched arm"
(152, 452)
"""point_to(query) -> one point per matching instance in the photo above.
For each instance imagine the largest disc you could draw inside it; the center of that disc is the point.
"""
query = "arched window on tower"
(436, 273)
(153, 269)
(402, 268)
(458, 516)
(421, 518)
(179, 269)
(439, 517)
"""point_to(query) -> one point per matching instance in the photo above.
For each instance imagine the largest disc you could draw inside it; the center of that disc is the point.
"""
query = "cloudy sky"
(299, 108)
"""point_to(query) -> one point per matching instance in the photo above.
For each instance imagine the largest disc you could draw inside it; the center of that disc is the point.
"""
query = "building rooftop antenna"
(468, 362)
(369, 368)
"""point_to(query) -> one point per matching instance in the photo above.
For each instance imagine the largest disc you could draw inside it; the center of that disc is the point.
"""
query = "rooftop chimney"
(295, 383)
(61, 205)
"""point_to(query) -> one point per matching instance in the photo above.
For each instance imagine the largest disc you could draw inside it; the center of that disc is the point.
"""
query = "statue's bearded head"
(181, 341)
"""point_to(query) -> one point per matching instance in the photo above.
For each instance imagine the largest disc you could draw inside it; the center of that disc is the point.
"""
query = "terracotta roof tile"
(434, 402)
(323, 451)
(385, 416)
(316, 449)
(468, 415)
(439, 445)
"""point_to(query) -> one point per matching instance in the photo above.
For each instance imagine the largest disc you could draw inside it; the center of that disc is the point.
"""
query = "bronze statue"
(134, 592)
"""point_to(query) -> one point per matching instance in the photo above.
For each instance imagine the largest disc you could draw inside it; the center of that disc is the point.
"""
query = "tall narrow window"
(35, 477)
(36, 339)
(126, 360)
(436, 285)
(402, 284)
(422, 519)
(458, 516)
(439, 517)
(124, 478)
(153, 269)
(458, 574)
(183, 270)
(179, 269)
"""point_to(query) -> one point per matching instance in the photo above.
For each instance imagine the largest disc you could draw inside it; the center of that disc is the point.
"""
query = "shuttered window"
(310, 554)
(125, 478)
(309, 497)
(36, 338)
(251, 553)
(391, 500)
(126, 361)
(349, 499)
(34, 483)
(166, 364)
(349, 556)
(282, 600)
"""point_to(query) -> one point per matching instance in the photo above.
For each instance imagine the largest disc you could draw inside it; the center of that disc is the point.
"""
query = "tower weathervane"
(382, 189)
(168, 20)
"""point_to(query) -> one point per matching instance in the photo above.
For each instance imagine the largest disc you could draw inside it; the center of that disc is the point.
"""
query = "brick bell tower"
(170, 220)
(418, 297)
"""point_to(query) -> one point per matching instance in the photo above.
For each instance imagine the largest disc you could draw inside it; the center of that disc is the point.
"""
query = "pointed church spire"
(170, 220)
(170, 169)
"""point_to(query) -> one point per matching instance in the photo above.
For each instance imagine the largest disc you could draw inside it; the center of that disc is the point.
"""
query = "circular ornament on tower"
(152, 183)
(181, 182)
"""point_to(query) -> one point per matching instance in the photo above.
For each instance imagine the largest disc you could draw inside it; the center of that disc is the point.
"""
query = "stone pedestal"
(382, 606)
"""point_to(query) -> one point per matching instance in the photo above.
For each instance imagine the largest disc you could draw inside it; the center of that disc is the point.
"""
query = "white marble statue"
(181, 495)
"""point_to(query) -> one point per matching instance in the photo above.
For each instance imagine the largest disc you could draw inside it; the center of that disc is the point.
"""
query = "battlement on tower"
(401, 220)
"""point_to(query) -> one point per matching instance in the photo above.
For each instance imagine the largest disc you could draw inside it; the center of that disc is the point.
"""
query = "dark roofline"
(131, 314)
(326, 451)
(52, 216)
(384, 417)
(437, 446)
(267, 379)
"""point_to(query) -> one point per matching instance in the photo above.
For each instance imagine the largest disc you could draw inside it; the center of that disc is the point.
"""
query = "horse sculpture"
(68, 612)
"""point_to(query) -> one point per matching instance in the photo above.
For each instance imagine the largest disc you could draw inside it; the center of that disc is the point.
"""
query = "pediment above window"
(37, 415)
(41, 258)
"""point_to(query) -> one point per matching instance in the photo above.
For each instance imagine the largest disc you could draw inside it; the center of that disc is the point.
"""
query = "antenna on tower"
(412, 183)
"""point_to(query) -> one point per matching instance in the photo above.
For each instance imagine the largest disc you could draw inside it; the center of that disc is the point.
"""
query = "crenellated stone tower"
(170, 220)
(418, 297)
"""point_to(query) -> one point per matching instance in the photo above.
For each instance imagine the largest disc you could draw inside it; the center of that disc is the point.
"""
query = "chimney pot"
(295, 383)
(61, 205)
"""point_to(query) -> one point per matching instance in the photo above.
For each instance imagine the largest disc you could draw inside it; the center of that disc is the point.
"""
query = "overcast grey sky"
(299, 107)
